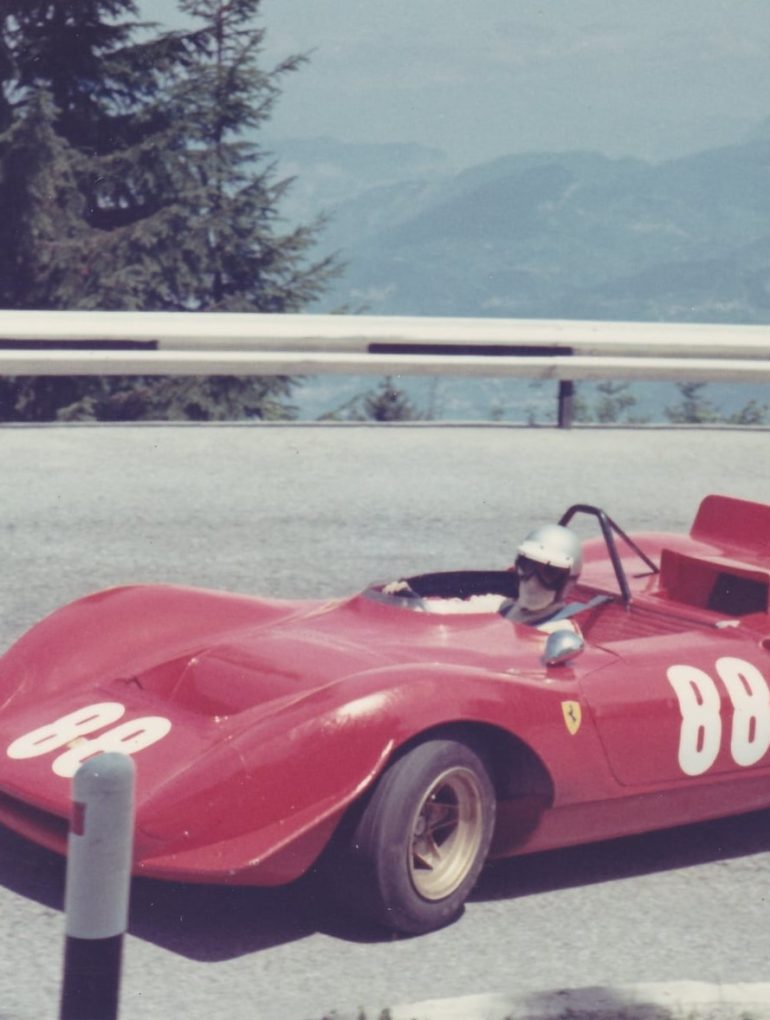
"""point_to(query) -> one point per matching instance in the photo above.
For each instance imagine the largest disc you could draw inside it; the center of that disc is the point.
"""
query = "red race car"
(400, 737)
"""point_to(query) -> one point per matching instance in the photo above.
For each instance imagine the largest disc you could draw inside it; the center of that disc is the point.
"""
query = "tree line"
(132, 178)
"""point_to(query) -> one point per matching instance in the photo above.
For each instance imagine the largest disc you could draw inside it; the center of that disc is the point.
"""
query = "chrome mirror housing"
(561, 647)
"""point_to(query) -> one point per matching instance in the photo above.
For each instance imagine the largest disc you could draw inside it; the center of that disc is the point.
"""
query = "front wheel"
(423, 837)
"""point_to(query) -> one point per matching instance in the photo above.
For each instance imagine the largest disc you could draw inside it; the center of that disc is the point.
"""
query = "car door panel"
(683, 706)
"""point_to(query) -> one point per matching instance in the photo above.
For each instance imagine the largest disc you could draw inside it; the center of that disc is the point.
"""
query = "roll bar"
(609, 530)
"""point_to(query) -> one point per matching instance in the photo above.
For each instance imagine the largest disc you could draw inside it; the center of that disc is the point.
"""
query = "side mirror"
(561, 647)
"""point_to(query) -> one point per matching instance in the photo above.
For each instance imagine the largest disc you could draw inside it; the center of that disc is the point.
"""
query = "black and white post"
(97, 887)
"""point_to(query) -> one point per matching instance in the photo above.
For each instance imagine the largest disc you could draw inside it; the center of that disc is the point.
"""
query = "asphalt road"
(321, 511)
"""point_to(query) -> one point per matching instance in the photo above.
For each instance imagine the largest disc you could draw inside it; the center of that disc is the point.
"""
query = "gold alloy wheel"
(446, 833)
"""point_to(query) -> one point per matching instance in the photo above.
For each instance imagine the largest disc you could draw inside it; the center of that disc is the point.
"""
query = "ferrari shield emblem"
(572, 715)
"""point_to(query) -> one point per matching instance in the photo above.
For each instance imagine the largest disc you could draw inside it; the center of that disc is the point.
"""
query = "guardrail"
(213, 343)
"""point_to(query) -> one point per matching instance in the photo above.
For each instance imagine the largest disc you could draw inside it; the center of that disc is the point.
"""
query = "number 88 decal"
(699, 703)
(69, 731)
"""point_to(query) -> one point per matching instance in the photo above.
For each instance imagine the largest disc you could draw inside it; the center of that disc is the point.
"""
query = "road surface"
(308, 510)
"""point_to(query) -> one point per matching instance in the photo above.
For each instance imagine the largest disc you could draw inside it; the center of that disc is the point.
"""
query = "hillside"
(554, 235)
(574, 235)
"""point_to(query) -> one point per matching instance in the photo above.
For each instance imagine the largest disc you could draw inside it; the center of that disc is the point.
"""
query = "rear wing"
(726, 586)
(732, 575)
(735, 528)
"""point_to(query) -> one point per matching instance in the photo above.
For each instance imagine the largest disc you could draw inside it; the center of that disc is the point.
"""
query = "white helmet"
(553, 552)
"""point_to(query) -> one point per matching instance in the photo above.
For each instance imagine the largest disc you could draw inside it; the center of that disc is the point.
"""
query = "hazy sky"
(486, 78)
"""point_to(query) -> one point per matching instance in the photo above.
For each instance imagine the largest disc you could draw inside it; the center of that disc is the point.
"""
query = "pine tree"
(42, 231)
(168, 201)
(107, 88)
(389, 403)
(694, 408)
(73, 90)
(108, 101)
(234, 253)
(41, 238)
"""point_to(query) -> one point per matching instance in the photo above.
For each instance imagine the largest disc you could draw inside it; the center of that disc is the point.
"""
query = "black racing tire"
(422, 838)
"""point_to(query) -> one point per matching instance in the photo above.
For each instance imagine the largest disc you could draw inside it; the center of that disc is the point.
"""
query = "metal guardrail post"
(97, 888)
(566, 402)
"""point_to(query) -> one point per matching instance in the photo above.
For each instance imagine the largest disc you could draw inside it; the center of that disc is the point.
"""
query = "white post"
(98, 884)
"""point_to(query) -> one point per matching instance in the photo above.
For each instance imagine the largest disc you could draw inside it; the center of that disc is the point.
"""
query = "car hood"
(214, 662)
(327, 643)
(196, 701)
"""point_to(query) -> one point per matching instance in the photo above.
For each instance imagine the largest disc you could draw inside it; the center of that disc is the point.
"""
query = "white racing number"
(699, 698)
(750, 737)
(70, 732)
(701, 732)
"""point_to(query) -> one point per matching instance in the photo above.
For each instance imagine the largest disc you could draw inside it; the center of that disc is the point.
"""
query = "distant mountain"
(328, 174)
(574, 235)
(552, 235)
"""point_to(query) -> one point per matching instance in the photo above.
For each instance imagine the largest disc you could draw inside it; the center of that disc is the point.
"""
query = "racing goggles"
(549, 576)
